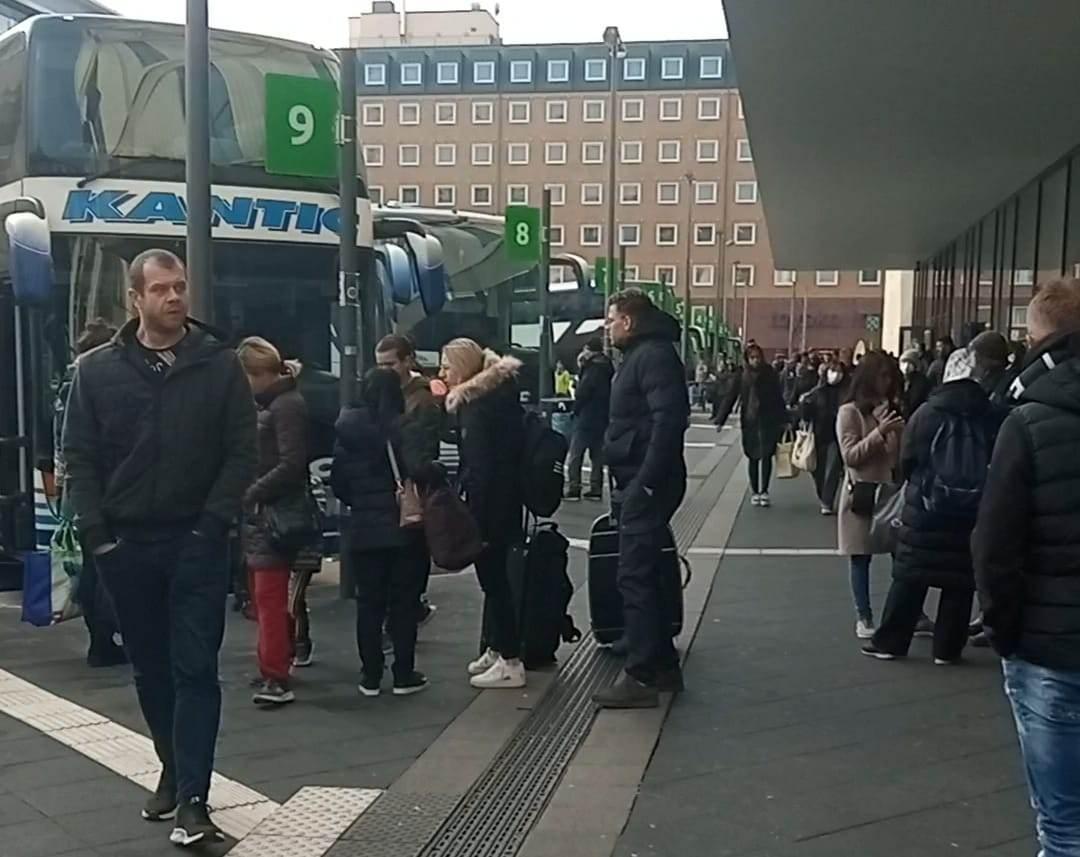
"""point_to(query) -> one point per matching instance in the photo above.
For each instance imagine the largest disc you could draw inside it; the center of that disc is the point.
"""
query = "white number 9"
(302, 121)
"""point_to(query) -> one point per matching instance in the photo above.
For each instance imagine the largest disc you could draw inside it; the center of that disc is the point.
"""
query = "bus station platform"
(786, 741)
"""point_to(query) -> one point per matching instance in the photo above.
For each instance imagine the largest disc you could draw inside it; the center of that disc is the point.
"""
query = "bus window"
(12, 75)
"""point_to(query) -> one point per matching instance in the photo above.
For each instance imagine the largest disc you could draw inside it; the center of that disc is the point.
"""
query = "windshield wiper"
(125, 165)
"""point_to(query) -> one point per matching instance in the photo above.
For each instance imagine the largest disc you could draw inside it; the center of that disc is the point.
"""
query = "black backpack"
(543, 458)
(959, 459)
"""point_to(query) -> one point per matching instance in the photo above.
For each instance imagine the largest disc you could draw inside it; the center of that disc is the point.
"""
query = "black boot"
(627, 692)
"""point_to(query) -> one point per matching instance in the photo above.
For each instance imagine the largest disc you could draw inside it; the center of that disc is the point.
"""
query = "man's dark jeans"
(170, 595)
(583, 441)
(648, 625)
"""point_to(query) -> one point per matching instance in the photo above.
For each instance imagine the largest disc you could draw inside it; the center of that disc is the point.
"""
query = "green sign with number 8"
(301, 120)
(522, 235)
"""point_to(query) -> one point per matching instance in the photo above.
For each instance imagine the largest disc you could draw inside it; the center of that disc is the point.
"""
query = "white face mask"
(832, 376)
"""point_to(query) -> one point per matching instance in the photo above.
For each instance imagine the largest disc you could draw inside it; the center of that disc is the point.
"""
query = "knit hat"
(960, 366)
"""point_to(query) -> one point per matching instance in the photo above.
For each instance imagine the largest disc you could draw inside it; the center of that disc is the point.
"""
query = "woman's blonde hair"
(258, 356)
(465, 356)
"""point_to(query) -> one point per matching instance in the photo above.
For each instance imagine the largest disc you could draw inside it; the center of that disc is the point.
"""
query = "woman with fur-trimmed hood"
(483, 398)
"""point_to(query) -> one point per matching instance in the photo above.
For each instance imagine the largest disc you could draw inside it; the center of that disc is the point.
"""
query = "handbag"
(410, 506)
(885, 525)
(783, 468)
(292, 522)
(804, 453)
(861, 497)
(452, 534)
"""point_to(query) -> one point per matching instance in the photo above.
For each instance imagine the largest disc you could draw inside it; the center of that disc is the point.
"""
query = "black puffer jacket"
(650, 411)
(282, 469)
(820, 406)
(491, 432)
(362, 479)
(933, 549)
(1026, 544)
(592, 401)
(764, 413)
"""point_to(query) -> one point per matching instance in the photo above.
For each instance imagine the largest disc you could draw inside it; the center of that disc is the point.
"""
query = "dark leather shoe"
(627, 692)
(670, 680)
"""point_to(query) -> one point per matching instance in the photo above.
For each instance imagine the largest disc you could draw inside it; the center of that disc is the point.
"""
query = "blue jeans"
(860, 586)
(170, 598)
(1046, 706)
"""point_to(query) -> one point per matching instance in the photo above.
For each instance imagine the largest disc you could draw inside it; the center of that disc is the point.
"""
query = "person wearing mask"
(992, 350)
(590, 420)
(387, 577)
(940, 503)
(917, 386)
(97, 607)
(564, 381)
(764, 416)
(1026, 550)
(483, 398)
(421, 431)
(819, 408)
(942, 349)
(650, 413)
(868, 431)
(159, 440)
(281, 474)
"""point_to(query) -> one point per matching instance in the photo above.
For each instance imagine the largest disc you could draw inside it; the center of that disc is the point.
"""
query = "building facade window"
(671, 68)
(375, 74)
(556, 237)
(828, 278)
(630, 152)
(744, 234)
(483, 71)
(483, 112)
(445, 195)
(592, 110)
(558, 193)
(592, 152)
(521, 71)
(704, 234)
(409, 113)
(869, 278)
(706, 193)
(555, 111)
(518, 112)
(376, 194)
(483, 154)
(631, 272)
(373, 155)
(591, 235)
(592, 193)
(412, 74)
(481, 195)
(667, 234)
(558, 71)
(373, 114)
(711, 68)
(708, 108)
(554, 153)
(595, 70)
(670, 109)
(408, 155)
(446, 113)
(708, 151)
(665, 274)
(629, 234)
(517, 154)
(408, 194)
(703, 275)
(668, 151)
(517, 194)
(783, 278)
(667, 193)
(634, 68)
(633, 109)
(742, 275)
(630, 193)
(739, 107)
(746, 192)
(446, 73)
(445, 154)
(742, 151)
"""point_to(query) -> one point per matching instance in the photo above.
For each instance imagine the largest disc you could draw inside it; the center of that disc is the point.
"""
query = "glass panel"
(12, 77)
(1072, 240)
(1023, 275)
(1052, 225)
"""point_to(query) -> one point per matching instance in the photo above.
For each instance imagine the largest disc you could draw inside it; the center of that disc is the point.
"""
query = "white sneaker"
(864, 630)
(483, 663)
(755, 499)
(764, 501)
(503, 673)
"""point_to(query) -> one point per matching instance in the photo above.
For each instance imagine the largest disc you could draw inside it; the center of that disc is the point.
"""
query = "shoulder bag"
(410, 507)
(292, 522)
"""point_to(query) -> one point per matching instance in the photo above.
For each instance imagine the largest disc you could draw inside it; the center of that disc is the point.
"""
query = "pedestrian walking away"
(1026, 549)
(591, 405)
(281, 477)
(388, 575)
(764, 416)
(160, 447)
(868, 431)
(942, 349)
(483, 399)
(650, 413)
(944, 456)
(819, 408)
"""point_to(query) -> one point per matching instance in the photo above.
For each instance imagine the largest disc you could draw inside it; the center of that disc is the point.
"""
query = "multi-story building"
(478, 127)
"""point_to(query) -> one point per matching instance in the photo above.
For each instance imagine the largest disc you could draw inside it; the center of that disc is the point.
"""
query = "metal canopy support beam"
(197, 104)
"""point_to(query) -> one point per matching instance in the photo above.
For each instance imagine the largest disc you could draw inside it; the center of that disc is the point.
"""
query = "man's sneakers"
(193, 825)
(627, 692)
(872, 651)
(483, 663)
(502, 674)
(161, 805)
(370, 686)
(273, 693)
(413, 683)
(924, 627)
(864, 629)
(303, 657)
(427, 612)
(827, 511)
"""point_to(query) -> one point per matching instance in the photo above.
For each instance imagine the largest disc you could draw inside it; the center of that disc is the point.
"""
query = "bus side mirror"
(398, 272)
(427, 253)
(30, 260)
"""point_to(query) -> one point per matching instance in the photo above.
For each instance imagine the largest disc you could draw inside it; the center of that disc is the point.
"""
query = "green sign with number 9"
(301, 120)
(522, 235)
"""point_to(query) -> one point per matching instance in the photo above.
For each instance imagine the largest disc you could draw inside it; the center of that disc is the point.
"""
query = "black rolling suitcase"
(605, 602)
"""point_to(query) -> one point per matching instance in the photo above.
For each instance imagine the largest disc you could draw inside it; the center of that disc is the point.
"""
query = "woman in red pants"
(281, 474)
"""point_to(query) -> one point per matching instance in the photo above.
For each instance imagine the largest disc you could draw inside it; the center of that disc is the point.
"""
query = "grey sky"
(324, 22)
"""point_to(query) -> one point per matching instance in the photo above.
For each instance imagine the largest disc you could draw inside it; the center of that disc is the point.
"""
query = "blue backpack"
(959, 459)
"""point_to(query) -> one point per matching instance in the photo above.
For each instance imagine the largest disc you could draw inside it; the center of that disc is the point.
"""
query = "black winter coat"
(592, 401)
(819, 407)
(917, 389)
(650, 412)
(362, 479)
(145, 452)
(933, 549)
(282, 471)
(764, 413)
(491, 434)
(1026, 544)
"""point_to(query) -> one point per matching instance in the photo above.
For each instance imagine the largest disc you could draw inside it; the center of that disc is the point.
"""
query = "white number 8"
(302, 121)
(521, 234)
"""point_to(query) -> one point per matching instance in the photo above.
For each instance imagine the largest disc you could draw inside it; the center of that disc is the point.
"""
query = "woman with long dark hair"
(819, 408)
(868, 429)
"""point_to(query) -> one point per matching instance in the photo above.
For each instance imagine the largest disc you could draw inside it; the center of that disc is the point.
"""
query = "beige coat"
(868, 456)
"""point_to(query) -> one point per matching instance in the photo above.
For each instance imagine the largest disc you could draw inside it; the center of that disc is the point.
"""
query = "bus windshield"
(103, 90)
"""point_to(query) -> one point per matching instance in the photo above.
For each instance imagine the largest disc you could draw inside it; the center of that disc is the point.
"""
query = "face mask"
(832, 376)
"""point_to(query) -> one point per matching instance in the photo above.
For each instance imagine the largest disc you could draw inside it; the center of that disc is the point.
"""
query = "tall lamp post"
(684, 348)
(197, 166)
(616, 50)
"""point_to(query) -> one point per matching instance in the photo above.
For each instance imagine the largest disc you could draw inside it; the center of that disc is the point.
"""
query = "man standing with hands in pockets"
(160, 445)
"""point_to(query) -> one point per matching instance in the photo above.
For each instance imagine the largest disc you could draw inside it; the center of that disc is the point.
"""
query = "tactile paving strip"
(306, 825)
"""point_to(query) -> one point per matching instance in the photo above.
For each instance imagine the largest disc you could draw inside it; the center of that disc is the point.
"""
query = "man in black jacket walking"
(591, 405)
(1026, 551)
(643, 447)
(159, 439)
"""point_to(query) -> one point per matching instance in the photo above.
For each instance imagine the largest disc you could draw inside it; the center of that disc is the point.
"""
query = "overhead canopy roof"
(881, 129)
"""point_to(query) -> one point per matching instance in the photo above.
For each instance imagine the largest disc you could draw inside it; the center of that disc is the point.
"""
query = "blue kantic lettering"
(156, 207)
(308, 219)
(239, 214)
(85, 206)
(276, 214)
